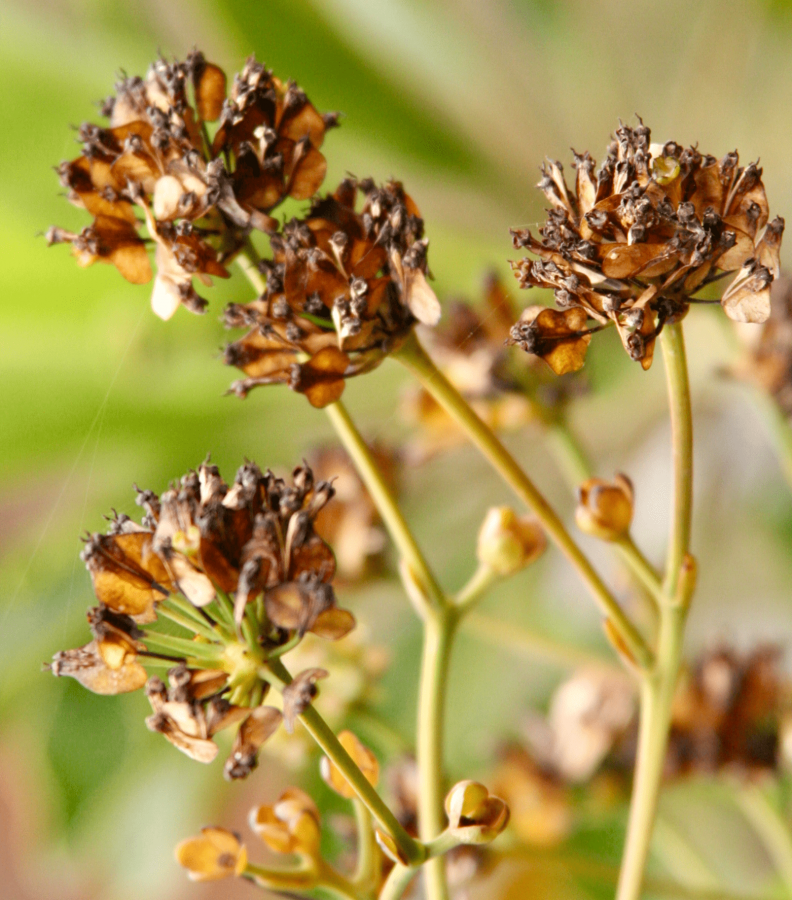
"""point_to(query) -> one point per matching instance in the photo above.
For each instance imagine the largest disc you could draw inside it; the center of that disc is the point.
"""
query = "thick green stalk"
(438, 637)
(320, 731)
(385, 502)
(368, 859)
(413, 356)
(659, 684)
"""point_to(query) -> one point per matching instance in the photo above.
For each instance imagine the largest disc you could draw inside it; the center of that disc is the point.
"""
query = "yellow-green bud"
(605, 508)
(508, 542)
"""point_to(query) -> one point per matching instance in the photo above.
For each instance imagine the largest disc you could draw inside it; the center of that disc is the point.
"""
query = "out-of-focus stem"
(416, 360)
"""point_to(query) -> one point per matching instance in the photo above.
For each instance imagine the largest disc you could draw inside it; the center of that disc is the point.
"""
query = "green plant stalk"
(769, 826)
(640, 567)
(367, 868)
(439, 628)
(547, 649)
(397, 882)
(183, 613)
(275, 672)
(416, 360)
(480, 582)
(385, 502)
(658, 685)
(781, 431)
(307, 881)
(570, 455)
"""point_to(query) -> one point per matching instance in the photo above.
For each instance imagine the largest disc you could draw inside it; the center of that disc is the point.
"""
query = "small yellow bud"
(216, 854)
(508, 542)
(605, 508)
(474, 815)
(289, 826)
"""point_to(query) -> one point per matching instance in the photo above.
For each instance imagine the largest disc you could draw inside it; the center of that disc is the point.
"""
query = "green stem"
(184, 647)
(480, 582)
(397, 882)
(438, 637)
(247, 261)
(770, 827)
(659, 684)
(413, 851)
(413, 356)
(640, 566)
(367, 868)
(781, 431)
(571, 456)
(547, 649)
(385, 502)
(183, 613)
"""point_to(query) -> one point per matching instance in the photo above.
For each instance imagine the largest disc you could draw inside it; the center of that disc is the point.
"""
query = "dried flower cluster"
(199, 197)
(240, 567)
(344, 288)
(632, 246)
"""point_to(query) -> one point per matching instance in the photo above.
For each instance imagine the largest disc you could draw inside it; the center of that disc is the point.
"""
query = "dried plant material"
(259, 725)
(767, 358)
(289, 826)
(87, 665)
(506, 389)
(215, 854)
(605, 508)
(559, 338)
(344, 289)
(633, 244)
(363, 758)
(298, 695)
(199, 199)
(474, 815)
(351, 523)
(507, 542)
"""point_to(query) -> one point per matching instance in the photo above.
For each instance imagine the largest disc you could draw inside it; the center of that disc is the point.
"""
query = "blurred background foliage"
(460, 99)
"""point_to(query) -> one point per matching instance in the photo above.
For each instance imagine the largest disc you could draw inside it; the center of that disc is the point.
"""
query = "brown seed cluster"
(344, 288)
(198, 196)
(242, 570)
(633, 245)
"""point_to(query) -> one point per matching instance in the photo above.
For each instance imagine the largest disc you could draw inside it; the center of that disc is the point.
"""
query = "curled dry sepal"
(344, 288)
(256, 577)
(198, 196)
(632, 245)
(289, 826)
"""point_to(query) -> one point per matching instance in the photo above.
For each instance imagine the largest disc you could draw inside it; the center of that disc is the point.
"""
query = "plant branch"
(413, 851)
(415, 359)
(658, 685)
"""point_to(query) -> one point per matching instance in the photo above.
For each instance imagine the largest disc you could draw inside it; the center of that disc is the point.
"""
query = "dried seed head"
(199, 199)
(633, 248)
(344, 289)
(605, 509)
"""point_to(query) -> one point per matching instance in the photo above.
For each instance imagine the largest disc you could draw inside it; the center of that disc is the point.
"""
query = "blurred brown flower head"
(767, 360)
(344, 288)
(634, 244)
(505, 388)
(199, 197)
(243, 574)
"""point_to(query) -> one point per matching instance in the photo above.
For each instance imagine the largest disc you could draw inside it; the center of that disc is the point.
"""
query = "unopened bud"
(508, 542)
(474, 815)
(605, 508)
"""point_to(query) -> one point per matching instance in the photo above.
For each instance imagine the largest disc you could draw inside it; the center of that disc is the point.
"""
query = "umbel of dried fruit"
(241, 570)
(344, 289)
(633, 245)
(199, 198)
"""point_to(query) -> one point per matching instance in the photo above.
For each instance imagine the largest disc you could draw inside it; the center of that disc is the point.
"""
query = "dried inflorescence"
(344, 288)
(507, 390)
(632, 246)
(242, 569)
(199, 197)
(767, 361)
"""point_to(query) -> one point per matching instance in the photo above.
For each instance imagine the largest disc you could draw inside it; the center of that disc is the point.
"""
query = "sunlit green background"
(460, 99)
